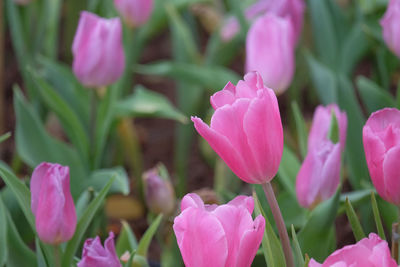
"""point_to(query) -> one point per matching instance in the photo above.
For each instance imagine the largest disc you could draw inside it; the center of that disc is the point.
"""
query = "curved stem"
(280, 224)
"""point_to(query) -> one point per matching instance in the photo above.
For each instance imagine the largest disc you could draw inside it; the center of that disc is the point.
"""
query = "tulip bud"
(270, 47)
(134, 12)
(159, 193)
(52, 203)
(246, 129)
(391, 26)
(99, 58)
(381, 137)
(371, 251)
(319, 175)
(95, 255)
(212, 235)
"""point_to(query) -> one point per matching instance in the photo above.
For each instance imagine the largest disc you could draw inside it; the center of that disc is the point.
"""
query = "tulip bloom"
(99, 58)
(95, 255)
(52, 203)
(391, 26)
(381, 137)
(319, 175)
(246, 129)
(218, 236)
(134, 12)
(270, 51)
(368, 252)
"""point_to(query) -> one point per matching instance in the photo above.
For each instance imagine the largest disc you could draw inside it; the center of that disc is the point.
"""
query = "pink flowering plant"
(199, 133)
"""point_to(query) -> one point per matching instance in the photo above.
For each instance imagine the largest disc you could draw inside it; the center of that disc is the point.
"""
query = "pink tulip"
(391, 26)
(218, 236)
(246, 129)
(368, 252)
(292, 9)
(270, 51)
(99, 58)
(52, 203)
(381, 136)
(319, 175)
(134, 12)
(95, 255)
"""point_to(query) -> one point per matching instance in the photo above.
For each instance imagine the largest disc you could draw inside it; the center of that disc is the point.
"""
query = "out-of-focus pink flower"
(246, 129)
(292, 9)
(52, 203)
(95, 255)
(218, 236)
(381, 136)
(99, 58)
(391, 26)
(270, 51)
(368, 252)
(134, 12)
(319, 175)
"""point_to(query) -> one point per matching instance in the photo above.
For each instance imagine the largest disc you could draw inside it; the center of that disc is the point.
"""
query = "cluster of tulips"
(246, 132)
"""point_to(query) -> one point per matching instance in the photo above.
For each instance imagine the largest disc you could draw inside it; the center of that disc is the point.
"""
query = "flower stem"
(57, 257)
(276, 212)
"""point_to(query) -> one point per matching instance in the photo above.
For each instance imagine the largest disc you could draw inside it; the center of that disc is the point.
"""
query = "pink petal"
(191, 200)
(391, 176)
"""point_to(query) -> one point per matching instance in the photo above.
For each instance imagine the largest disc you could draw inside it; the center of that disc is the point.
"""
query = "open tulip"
(99, 58)
(246, 129)
(391, 26)
(95, 255)
(218, 236)
(134, 12)
(381, 137)
(52, 203)
(270, 50)
(319, 175)
(368, 252)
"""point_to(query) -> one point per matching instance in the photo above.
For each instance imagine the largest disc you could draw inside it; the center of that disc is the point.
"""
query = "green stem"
(92, 124)
(280, 224)
(57, 256)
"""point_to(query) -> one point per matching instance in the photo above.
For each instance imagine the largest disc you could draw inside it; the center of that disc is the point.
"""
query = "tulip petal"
(191, 200)
(36, 183)
(391, 174)
(224, 97)
(243, 201)
(330, 172)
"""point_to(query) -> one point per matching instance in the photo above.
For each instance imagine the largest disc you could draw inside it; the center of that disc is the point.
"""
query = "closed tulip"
(319, 175)
(134, 12)
(95, 255)
(52, 203)
(391, 26)
(381, 137)
(368, 252)
(99, 58)
(270, 50)
(246, 129)
(218, 236)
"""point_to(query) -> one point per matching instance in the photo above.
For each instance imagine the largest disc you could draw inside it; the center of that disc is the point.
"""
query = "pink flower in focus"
(270, 51)
(391, 26)
(246, 129)
(319, 175)
(218, 236)
(135, 12)
(99, 58)
(52, 203)
(95, 255)
(368, 252)
(381, 137)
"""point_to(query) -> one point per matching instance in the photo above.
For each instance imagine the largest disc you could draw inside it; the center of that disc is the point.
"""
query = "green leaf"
(126, 240)
(373, 96)
(21, 192)
(41, 261)
(354, 222)
(333, 133)
(146, 103)
(301, 129)
(100, 177)
(211, 77)
(297, 250)
(377, 217)
(144, 243)
(35, 145)
(288, 170)
(3, 234)
(317, 238)
(271, 246)
(83, 224)
(5, 137)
